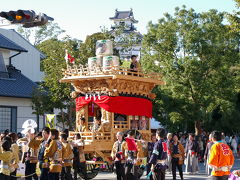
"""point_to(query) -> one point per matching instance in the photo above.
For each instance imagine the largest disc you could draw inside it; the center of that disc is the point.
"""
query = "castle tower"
(124, 31)
(124, 18)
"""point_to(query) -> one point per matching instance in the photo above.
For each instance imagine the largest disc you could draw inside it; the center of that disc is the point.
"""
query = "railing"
(89, 136)
(99, 136)
(80, 70)
(120, 125)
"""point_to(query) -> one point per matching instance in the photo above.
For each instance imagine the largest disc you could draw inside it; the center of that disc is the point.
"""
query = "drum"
(104, 47)
(109, 61)
(94, 62)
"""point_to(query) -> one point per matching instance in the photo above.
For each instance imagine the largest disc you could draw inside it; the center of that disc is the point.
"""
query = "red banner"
(119, 104)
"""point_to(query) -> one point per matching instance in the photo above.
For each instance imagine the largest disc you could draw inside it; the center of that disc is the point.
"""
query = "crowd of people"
(167, 153)
(192, 150)
(52, 150)
(57, 154)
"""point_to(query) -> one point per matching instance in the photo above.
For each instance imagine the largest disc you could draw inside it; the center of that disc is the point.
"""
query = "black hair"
(131, 133)
(133, 56)
(175, 134)
(161, 132)
(55, 133)
(9, 139)
(64, 136)
(217, 135)
(153, 135)
(39, 134)
(83, 119)
(191, 134)
(78, 136)
(6, 145)
(66, 131)
(19, 135)
(6, 132)
(46, 129)
(13, 136)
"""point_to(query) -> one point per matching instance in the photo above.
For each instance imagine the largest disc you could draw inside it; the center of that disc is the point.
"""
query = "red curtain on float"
(119, 104)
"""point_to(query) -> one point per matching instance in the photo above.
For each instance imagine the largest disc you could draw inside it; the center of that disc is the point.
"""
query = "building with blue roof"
(17, 81)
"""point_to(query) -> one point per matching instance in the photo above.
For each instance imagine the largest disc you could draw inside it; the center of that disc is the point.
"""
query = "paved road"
(200, 176)
(110, 176)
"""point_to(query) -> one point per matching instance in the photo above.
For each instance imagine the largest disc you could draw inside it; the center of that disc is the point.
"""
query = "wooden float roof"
(79, 73)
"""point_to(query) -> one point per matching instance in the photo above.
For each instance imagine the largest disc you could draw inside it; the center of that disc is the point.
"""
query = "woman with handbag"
(177, 154)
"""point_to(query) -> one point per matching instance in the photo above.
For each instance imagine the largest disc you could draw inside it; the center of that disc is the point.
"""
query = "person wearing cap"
(221, 158)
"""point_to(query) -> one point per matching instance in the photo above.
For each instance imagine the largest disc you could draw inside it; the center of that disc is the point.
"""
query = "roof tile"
(17, 85)
(6, 43)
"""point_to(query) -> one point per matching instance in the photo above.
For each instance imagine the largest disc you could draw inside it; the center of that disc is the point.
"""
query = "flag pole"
(66, 58)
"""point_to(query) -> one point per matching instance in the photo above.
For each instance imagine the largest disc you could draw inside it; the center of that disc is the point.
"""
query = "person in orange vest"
(221, 158)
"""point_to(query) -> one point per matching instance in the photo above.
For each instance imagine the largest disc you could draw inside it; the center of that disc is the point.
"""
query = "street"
(110, 176)
(201, 175)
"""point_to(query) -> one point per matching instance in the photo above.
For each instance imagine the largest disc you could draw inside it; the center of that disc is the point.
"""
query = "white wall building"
(28, 63)
(18, 77)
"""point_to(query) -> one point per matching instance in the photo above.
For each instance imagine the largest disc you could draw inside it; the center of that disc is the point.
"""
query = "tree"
(125, 40)
(59, 93)
(41, 101)
(36, 35)
(194, 52)
(88, 48)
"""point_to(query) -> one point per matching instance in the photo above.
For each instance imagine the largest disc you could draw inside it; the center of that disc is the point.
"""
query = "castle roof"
(124, 15)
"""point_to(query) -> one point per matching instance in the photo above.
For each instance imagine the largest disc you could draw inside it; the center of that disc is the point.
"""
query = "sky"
(84, 17)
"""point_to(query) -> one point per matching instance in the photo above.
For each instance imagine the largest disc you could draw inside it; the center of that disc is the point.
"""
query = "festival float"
(119, 97)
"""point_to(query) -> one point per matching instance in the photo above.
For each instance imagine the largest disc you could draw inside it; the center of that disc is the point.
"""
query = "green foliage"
(234, 18)
(36, 35)
(195, 52)
(125, 40)
(126, 64)
(41, 101)
(58, 94)
(88, 48)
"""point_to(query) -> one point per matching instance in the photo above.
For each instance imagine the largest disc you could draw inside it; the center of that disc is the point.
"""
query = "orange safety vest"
(221, 159)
